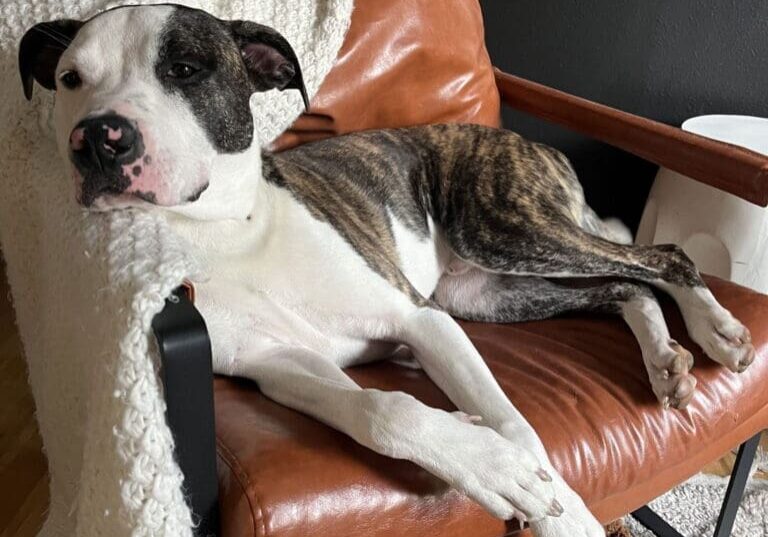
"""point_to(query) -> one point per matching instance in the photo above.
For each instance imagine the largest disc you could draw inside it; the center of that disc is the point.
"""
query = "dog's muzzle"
(101, 148)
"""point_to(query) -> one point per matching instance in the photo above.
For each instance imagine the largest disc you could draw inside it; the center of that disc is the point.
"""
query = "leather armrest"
(730, 168)
(187, 375)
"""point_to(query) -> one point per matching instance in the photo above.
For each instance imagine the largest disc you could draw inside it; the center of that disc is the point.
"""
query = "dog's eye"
(70, 79)
(182, 70)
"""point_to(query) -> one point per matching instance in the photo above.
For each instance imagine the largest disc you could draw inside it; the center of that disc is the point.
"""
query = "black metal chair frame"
(733, 496)
(187, 375)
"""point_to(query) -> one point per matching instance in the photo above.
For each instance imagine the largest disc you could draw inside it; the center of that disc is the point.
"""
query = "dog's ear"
(269, 58)
(40, 50)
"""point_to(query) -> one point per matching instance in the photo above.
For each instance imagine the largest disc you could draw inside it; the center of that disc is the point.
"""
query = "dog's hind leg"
(515, 207)
(481, 296)
(559, 248)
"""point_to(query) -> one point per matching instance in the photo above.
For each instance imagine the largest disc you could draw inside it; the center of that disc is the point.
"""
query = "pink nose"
(77, 139)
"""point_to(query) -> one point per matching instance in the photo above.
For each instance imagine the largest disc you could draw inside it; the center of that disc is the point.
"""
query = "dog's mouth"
(94, 195)
(101, 185)
(113, 202)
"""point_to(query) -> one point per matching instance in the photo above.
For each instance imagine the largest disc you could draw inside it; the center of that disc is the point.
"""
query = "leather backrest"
(404, 62)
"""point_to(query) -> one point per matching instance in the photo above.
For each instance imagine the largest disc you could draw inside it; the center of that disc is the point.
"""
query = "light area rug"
(693, 507)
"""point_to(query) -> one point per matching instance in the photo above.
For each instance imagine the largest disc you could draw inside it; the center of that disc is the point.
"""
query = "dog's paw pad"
(674, 391)
(679, 362)
(679, 392)
(669, 375)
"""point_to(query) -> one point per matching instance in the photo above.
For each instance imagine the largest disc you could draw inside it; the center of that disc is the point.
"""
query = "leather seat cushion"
(395, 69)
(580, 381)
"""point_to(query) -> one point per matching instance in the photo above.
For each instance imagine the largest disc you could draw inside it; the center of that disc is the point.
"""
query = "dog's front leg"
(452, 362)
(501, 476)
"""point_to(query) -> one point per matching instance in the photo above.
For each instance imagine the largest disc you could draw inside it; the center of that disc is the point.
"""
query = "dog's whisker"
(58, 33)
(59, 39)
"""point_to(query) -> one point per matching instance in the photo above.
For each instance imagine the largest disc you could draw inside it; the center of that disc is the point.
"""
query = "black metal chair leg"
(185, 353)
(733, 496)
(736, 486)
(660, 527)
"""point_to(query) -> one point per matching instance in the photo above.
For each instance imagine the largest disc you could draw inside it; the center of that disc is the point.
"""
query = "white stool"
(724, 235)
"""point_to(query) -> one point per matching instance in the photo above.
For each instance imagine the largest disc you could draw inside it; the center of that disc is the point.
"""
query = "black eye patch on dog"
(232, 60)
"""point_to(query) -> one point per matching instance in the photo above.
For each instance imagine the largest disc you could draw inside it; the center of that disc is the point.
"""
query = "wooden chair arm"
(730, 168)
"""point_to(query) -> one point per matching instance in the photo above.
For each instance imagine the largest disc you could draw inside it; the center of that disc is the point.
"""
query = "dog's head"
(152, 102)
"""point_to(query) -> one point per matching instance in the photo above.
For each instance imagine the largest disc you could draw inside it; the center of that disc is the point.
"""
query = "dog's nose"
(103, 148)
(104, 143)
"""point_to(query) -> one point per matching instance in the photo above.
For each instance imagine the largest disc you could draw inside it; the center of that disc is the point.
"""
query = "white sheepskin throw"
(86, 287)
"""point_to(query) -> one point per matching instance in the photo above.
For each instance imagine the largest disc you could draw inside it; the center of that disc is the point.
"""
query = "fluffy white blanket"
(86, 287)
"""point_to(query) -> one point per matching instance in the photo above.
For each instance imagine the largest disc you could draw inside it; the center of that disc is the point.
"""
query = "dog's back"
(473, 182)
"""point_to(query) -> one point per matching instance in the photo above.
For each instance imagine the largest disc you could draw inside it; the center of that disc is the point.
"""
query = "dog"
(346, 250)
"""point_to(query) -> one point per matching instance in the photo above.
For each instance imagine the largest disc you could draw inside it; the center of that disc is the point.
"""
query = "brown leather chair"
(580, 379)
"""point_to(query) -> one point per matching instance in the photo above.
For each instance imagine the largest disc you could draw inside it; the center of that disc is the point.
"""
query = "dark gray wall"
(665, 59)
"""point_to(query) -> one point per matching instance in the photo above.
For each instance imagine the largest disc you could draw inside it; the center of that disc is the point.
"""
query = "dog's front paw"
(507, 480)
(568, 525)
(576, 520)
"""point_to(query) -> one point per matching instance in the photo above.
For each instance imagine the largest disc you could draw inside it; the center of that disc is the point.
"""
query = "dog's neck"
(237, 206)
(235, 188)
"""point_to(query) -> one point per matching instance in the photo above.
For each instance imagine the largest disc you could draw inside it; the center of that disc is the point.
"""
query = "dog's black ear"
(40, 50)
(269, 58)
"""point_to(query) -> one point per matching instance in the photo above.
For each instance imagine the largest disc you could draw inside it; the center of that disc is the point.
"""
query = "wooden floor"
(724, 465)
(23, 472)
(23, 478)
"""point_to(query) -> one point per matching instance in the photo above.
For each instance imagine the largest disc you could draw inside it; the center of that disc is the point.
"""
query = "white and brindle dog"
(345, 250)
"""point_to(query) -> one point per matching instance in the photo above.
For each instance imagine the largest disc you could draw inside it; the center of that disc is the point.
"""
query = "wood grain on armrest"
(733, 169)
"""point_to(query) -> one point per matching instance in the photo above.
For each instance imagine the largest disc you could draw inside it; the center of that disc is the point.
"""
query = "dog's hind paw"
(676, 392)
(668, 371)
(736, 350)
(726, 341)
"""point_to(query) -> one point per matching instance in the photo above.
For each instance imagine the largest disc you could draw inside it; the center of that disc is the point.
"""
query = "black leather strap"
(187, 375)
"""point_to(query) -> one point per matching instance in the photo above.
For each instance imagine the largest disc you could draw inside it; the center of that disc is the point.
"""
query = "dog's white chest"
(300, 284)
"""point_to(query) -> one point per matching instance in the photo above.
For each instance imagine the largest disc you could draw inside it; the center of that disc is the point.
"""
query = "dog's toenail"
(555, 509)
(544, 475)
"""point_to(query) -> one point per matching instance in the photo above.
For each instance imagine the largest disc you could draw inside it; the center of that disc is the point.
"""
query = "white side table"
(724, 235)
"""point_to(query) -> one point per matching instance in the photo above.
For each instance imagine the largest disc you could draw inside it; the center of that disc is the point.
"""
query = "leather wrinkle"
(243, 479)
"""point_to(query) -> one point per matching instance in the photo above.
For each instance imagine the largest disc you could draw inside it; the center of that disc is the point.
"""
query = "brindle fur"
(502, 203)
(221, 98)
